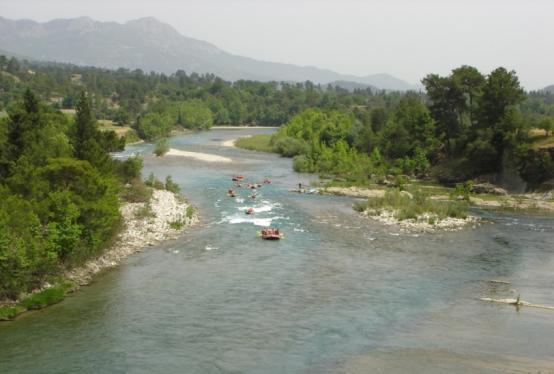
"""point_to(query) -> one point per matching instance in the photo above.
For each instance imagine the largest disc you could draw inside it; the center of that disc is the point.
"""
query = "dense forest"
(468, 125)
(60, 191)
(154, 103)
(465, 125)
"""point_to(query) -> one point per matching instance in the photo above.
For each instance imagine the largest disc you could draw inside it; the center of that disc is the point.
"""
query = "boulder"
(488, 188)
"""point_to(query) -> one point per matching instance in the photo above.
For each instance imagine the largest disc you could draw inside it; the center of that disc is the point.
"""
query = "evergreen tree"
(87, 139)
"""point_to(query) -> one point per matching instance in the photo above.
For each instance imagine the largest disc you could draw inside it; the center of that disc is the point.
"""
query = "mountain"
(151, 45)
(549, 89)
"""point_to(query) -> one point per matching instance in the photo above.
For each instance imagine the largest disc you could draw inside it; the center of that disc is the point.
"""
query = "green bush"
(131, 136)
(412, 207)
(129, 169)
(190, 212)
(178, 224)
(171, 186)
(154, 182)
(10, 312)
(153, 125)
(301, 163)
(400, 182)
(136, 192)
(290, 147)
(260, 142)
(462, 191)
(162, 147)
(144, 212)
(46, 297)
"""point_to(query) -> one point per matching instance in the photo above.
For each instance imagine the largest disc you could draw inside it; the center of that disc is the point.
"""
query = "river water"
(338, 294)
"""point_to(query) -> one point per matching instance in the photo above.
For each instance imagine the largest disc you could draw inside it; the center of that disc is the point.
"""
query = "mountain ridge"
(151, 45)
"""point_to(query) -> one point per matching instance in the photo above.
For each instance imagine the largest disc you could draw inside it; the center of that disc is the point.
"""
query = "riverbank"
(258, 142)
(491, 196)
(530, 201)
(229, 143)
(164, 217)
(429, 222)
(425, 222)
(415, 212)
(241, 127)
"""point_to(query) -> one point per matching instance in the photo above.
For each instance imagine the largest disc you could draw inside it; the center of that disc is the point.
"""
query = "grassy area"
(129, 133)
(412, 205)
(49, 296)
(190, 212)
(260, 142)
(3, 114)
(541, 139)
(427, 187)
(39, 300)
(10, 312)
(131, 136)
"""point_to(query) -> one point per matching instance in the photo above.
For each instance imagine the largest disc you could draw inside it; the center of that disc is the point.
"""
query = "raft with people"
(271, 234)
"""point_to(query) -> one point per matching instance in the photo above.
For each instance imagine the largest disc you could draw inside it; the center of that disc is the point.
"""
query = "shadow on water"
(339, 293)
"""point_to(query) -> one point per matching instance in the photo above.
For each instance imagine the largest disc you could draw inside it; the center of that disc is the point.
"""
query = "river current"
(339, 293)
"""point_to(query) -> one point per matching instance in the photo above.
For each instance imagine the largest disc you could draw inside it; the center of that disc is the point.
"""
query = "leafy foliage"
(405, 206)
(58, 193)
(162, 147)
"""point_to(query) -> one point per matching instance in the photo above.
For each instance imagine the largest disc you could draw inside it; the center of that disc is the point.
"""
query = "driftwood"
(516, 302)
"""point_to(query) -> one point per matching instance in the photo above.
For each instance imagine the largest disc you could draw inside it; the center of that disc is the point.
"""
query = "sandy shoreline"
(198, 156)
(352, 192)
(241, 127)
(138, 233)
(229, 143)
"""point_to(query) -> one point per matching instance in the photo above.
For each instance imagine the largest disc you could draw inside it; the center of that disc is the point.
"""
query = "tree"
(546, 124)
(153, 125)
(33, 134)
(87, 139)
(23, 124)
(501, 93)
(94, 196)
(447, 106)
(471, 82)
(162, 147)
(195, 114)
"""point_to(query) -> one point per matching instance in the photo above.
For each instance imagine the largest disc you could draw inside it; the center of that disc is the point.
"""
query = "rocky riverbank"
(164, 217)
(427, 222)
(402, 209)
(529, 201)
(145, 224)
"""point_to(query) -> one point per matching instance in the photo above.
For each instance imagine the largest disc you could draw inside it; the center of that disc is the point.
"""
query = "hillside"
(351, 86)
(151, 45)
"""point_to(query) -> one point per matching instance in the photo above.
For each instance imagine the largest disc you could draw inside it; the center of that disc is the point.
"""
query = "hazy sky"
(406, 38)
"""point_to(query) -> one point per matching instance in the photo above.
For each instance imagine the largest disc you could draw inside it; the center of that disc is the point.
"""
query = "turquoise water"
(338, 294)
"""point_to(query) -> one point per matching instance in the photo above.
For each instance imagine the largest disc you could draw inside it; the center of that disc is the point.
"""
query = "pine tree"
(86, 138)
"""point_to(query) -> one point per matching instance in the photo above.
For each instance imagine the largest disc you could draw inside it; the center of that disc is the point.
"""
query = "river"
(338, 294)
